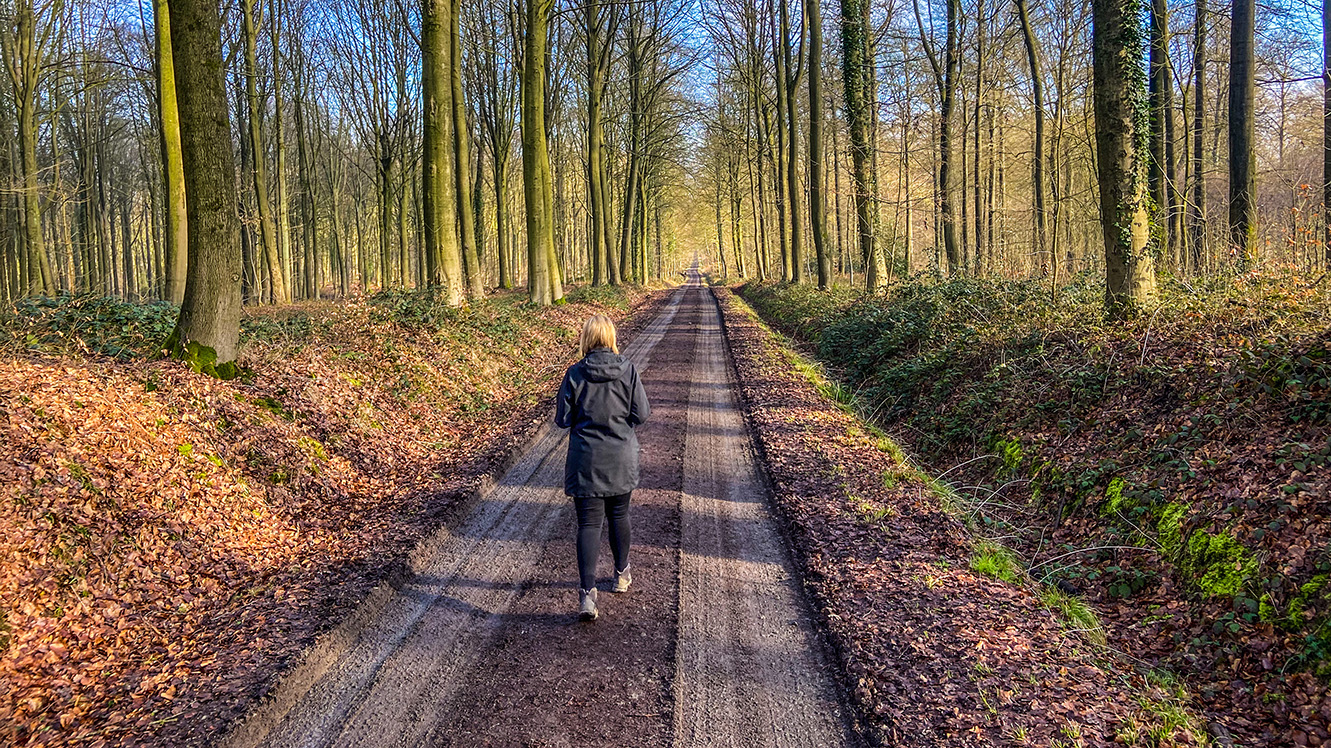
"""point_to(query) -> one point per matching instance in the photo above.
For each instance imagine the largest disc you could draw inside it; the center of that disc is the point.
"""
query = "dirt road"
(713, 645)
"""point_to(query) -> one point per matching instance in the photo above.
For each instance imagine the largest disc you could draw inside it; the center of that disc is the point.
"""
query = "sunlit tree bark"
(471, 262)
(25, 55)
(1122, 149)
(175, 230)
(258, 157)
(207, 333)
(438, 198)
(543, 283)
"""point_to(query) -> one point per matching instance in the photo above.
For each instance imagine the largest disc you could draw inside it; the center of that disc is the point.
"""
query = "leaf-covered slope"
(1173, 470)
(168, 540)
(933, 651)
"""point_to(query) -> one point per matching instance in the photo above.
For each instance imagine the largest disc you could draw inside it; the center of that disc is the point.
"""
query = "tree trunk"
(471, 262)
(439, 201)
(1037, 157)
(478, 211)
(308, 211)
(258, 159)
(945, 79)
(634, 175)
(283, 209)
(855, 61)
(1198, 228)
(207, 334)
(1163, 170)
(978, 166)
(817, 194)
(24, 61)
(176, 232)
(127, 248)
(1242, 155)
(536, 186)
(599, 50)
(720, 232)
(596, 57)
(504, 245)
(1326, 135)
(793, 188)
(1121, 152)
(784, 149)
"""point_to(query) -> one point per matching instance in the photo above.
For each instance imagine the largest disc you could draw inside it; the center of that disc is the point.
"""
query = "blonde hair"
(597, 332)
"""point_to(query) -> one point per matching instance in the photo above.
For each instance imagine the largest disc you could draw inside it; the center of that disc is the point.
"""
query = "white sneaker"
(587, 605)
(622, 580)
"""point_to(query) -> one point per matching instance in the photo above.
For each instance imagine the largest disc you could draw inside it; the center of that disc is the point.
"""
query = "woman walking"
(601, 402)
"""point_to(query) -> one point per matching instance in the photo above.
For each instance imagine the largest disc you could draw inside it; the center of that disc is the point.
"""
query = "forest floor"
(169, 542)
(1166, 480)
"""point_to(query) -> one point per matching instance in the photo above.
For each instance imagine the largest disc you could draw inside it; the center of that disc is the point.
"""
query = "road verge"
(933, 648)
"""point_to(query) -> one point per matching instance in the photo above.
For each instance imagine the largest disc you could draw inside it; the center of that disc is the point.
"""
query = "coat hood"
(603, 365)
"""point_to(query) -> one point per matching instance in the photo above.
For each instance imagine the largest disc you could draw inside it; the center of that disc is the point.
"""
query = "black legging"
(591, 516)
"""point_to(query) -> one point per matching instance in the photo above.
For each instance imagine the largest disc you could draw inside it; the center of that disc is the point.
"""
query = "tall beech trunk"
(283, 209)
(784, 149)
(1122, 149)
(258, 157)
(633, 178)
(308, 209)
(720, 232)
(478, 206)
(439, 200)
(793, 189)
(978, 162)
(1164, 171)
(945, 79)
(855, 62)
(503, 238)
(176, 231)
(1197, 240)
(24, 60)
(207, 333)
(1242, 155)
(600, 29)
(597, 62)
(1326, 132)
(1037, 157)
(817, 192)
(127, 248)
(543, 283)
(760, 174)
(471, 261)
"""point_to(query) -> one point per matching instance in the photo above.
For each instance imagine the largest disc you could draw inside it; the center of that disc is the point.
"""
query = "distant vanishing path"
(713, 646)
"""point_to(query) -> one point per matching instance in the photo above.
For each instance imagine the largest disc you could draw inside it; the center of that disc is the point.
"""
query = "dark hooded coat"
(600, 402)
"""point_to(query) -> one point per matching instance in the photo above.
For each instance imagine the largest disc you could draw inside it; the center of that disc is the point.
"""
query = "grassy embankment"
(1173, 471)
(168, 541)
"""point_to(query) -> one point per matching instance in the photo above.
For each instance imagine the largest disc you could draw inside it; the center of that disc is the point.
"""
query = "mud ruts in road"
(714, 645)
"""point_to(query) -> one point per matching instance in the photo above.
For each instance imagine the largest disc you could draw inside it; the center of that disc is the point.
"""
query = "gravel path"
(713, 646)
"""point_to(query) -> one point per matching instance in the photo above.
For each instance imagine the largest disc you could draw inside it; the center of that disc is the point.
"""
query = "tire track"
(749, 669)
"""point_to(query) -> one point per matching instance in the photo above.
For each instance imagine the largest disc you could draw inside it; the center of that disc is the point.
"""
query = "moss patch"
(1218, 564)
